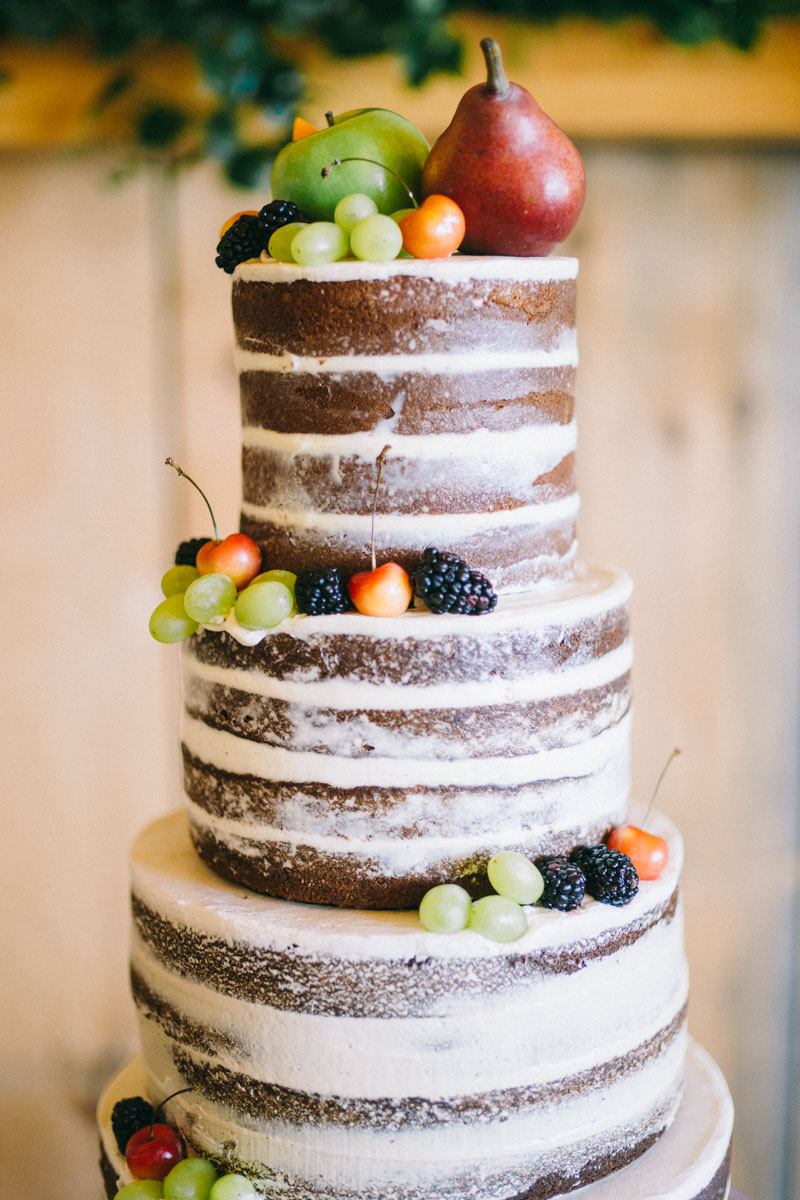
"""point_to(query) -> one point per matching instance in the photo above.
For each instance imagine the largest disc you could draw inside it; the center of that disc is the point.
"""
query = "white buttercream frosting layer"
(457, 269)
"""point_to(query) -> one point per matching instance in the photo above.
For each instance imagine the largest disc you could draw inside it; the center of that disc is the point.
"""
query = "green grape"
(498, 918)
(376, 239)
(190, 1179)
(233, 1187)
(516, 877)
(262, 605)
(142, 1189)
(445, 908)
(280, 244)
(352, 209)
(169, 622)
(210, 596)
(287, 578)
(177, 579)
(319, 243)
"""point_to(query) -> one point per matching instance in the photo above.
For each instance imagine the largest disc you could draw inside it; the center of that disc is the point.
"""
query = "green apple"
(373, 133)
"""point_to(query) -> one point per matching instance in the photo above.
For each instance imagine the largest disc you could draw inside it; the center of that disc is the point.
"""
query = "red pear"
(516, 176)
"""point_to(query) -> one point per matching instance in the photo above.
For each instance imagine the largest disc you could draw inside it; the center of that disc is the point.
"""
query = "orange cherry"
(251, 212)
(647, 851)
(302, 128)
(382, 592)
(435, 229)
(236, 556)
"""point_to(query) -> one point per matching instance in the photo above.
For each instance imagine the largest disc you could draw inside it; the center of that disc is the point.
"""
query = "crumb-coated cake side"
(352, 1054)
(691, 1161)
(465, 368)
(359, 761)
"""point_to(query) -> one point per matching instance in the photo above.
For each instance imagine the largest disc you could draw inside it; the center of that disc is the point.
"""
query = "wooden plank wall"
(117, 351)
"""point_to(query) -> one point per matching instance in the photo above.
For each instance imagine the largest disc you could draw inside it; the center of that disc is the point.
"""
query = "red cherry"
(152, 1152)
(647, 852)
(435, 229)
(383, 592)
(236, 556)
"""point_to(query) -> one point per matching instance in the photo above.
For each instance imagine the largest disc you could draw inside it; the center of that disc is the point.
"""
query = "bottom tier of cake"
(690, 1162)
(345, 1055)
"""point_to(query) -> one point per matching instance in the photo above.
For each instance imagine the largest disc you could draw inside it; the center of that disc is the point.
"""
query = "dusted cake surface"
(358, 760)
(354, 1054)
(689, 1162)
(463, 367)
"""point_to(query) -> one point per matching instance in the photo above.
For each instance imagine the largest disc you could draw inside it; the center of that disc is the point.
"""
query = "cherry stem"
(158, 1108)
(171, 463)
(337, 162)
(664, 770)
(497, 82)
(379, 461)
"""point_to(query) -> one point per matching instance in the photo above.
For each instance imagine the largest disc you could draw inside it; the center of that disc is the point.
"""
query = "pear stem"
(496, 83)
(329, 117)
(171, 463)
(664, 770)
(337, 162)
(379, 461)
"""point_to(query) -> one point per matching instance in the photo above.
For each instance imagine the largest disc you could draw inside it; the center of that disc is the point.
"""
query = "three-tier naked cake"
(338, 766)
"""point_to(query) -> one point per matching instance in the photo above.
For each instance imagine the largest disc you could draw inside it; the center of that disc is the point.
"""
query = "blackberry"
(186, 554)
(564, 883)
(244, 239)
(276, 214)
(610, 876)
(321, 591)
(128, 1117)
(448, 585)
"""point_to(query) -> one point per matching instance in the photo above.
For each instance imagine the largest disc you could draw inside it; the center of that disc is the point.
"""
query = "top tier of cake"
(464, 367)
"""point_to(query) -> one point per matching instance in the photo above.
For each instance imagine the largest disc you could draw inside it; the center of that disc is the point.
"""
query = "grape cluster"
(192, 600)
(448, 908)
(357, 229)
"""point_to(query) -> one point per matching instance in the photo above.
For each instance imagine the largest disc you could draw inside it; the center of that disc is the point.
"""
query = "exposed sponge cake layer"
(348, 1054)
(464, 368)
(357, 760)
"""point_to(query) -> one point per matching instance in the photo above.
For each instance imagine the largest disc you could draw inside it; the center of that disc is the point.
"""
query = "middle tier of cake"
(358, 761)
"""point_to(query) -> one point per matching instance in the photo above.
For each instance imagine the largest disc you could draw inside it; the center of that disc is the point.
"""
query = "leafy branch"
(242, 49)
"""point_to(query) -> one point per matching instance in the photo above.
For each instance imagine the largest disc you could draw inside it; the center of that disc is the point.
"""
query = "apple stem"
(329, 117)
(171, 463)
(664, 770)
(379, 461)
(497, 82)
(337, 162)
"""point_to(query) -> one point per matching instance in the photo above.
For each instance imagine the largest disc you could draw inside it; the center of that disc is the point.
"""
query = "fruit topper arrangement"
(501, 179)
(219, 584)
(609, 872)
(156, 1158)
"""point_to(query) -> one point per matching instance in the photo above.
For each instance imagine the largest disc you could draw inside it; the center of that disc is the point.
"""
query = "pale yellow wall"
(116, 350)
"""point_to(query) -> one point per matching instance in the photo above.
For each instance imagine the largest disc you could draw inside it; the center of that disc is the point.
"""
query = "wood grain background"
(117, 350)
